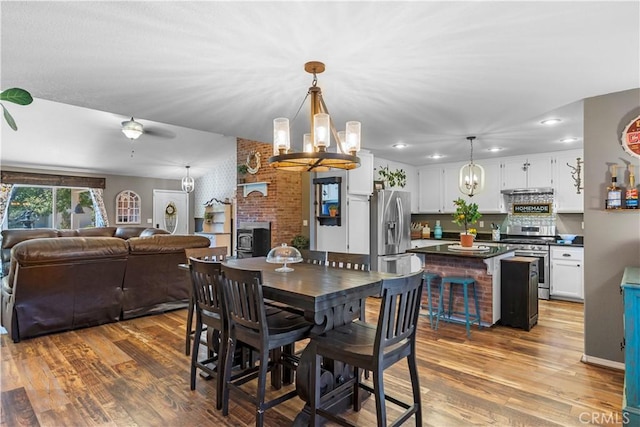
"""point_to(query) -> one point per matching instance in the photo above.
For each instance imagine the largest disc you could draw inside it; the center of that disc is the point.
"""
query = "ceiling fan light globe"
(132, 129)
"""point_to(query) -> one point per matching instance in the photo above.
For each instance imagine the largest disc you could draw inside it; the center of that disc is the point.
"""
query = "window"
(50, 207)
(127, 208)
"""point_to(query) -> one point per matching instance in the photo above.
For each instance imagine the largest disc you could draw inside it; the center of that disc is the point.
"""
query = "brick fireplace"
(282, 206)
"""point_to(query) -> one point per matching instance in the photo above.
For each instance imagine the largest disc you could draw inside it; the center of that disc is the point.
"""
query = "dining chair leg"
(378, 388)
(415, 386)
(262, 387)
(221, 368)
(276, 373)
(189, 325)
(357, 396)
(194, 356)
(314, 392)
(231, 348)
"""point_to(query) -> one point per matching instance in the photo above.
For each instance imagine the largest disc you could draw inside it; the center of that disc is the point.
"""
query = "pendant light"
(471, 178)
(315, 155)
(187, 182)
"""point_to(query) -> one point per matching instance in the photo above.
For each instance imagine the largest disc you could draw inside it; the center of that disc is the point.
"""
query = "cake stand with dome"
(284, 255)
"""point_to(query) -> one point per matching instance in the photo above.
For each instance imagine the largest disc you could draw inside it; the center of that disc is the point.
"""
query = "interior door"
(171, 211)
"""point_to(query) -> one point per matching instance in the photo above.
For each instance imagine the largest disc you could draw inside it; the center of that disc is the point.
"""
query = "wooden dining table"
(329, 297)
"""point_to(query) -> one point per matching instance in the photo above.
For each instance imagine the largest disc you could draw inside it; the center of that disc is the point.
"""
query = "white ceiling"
(427, 74)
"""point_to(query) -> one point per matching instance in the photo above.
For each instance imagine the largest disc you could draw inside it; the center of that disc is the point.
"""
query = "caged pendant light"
(471, 178)
(316, 156)
(188, 183)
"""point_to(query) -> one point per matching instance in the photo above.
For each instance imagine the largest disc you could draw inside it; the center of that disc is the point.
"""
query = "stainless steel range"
(533, 241)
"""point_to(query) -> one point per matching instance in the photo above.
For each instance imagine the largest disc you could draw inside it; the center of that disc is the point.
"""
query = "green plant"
(333, 207)
(300, 242)
(17, 96)
(397, 178)
(243, 169)
(466, 213)
(208, 217)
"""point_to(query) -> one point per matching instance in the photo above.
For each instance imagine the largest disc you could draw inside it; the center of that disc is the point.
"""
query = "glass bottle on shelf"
(614, 193)
(631, 199)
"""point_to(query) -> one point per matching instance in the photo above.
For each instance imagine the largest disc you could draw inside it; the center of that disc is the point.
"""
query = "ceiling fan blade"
(160, 133)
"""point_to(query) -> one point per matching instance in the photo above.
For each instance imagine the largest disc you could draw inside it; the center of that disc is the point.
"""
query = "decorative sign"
(631, 138)
(532, 208)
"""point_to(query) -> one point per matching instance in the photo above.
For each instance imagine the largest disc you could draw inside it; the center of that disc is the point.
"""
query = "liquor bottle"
(631, 199)
(614, 193)
(426, 231)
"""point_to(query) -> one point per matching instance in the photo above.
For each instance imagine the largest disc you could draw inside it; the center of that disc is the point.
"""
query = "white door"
(171, 211)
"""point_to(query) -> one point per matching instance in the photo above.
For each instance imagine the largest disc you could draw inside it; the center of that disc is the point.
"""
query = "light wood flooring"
(135, 373)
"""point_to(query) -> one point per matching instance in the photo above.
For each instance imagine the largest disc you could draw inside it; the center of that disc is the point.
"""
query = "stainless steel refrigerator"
(390, 231)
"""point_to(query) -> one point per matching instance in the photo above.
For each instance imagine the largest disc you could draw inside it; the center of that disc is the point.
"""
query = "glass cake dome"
(284, 254)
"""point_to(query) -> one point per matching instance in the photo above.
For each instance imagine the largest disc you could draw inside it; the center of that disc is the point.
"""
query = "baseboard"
(602, 362)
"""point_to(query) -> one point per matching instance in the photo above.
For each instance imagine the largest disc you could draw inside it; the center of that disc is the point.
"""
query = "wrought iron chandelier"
(315, 156)
(471, 178)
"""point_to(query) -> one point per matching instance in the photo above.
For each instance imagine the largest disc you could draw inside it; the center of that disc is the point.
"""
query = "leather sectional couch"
(57, 280)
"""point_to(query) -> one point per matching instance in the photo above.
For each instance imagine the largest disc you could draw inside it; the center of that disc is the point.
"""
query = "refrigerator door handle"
(400, 220)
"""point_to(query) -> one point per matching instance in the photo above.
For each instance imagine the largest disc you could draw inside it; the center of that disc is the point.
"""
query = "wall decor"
(127, 207)
(254, 156)
(631, 138)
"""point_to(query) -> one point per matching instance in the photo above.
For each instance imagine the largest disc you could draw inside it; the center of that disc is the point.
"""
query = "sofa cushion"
(166, 243)
(152, 232)
(129, 232)
(12, 237)
(97, 232)
(68, 233)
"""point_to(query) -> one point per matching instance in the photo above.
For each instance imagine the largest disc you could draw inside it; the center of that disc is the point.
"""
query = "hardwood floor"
(135, 373)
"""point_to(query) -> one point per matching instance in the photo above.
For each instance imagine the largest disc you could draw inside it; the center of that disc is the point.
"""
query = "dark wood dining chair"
(250, 325)
(360, 262)
(209, 310)
(217, 254)
(374, 348)
(314, 257)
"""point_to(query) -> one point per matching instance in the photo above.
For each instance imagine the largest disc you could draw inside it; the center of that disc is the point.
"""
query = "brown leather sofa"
(68, 282)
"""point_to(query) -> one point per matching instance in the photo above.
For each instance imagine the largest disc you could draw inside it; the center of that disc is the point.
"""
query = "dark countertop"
(444, 250)
(486, 238)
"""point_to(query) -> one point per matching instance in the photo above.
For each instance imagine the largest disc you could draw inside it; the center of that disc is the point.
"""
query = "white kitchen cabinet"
(360, 180)
(430, 187)
(358, 224)
(490, 200)
(566, 196)
(450, 190)
(567, 273)
(527, 171)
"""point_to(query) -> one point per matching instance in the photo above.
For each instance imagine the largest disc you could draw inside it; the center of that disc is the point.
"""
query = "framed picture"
(378, 185)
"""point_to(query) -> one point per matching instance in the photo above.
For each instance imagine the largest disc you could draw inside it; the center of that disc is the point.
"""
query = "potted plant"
(300, 242)
(466, 214)
(17, 96)
(333, 210)
(397, 178)
(243, 169)
(208, 217)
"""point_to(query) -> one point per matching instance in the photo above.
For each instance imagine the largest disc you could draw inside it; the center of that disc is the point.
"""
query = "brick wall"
(283, 204)
(458, 266)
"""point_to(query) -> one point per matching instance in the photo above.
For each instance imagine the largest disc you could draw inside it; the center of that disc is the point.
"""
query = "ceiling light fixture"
(132, 129)
(399, 145)
(471, 178)
(494, 149)
(550, 122)
(571, 139)
(315, 156)
(188, 183)
(436, 156)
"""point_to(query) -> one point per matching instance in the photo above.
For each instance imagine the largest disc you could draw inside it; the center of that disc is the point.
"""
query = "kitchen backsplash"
(533, 219)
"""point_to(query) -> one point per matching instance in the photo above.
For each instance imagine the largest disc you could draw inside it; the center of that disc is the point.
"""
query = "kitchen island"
(483, 265)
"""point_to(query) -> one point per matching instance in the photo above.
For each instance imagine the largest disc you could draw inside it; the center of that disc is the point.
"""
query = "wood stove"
(253, 239)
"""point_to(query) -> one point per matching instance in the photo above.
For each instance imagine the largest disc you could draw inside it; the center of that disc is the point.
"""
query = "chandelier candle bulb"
(306, 143)
(281, 143)
(321, 125)
(353, 137)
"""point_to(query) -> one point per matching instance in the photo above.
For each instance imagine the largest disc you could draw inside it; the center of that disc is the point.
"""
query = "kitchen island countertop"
(493, 251)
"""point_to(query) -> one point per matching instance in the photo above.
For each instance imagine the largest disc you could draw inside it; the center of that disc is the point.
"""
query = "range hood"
(517, 191)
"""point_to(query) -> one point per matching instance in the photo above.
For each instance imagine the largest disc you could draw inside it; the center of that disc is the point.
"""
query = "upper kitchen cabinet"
(566, 197)
(430, 185)
(490, 200)
(530, 171)
(360, 180)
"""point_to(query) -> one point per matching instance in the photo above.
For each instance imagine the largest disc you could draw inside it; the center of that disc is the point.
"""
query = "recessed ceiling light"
(399, 145)
(494, 149)
(436, 156)
(551, 121)
(571, 139)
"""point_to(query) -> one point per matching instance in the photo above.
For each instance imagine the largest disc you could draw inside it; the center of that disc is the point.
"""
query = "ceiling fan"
(133, 129)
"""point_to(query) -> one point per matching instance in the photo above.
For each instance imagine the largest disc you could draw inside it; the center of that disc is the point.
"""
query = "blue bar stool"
(428, 279)
(465, 282)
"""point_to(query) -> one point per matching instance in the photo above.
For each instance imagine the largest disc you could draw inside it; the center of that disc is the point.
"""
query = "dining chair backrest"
(207, 292)
(349, 261)
(314, 257)
(219, 253)
(398, 312)
(242, 290)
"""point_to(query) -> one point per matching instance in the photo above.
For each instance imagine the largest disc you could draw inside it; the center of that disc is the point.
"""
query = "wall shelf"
(250, 187)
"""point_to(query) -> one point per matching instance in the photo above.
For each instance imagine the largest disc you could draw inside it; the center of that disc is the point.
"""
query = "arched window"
(127, 208)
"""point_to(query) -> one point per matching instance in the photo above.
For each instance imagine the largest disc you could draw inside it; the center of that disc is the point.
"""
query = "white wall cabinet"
(527, 171)
(430, 185)
(567, 273)
(566, 197)
(360, 180)
(358, 233)
(490, 200)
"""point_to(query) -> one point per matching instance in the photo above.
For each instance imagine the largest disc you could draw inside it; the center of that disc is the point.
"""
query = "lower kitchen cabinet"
(567, 273)
(519, 292)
